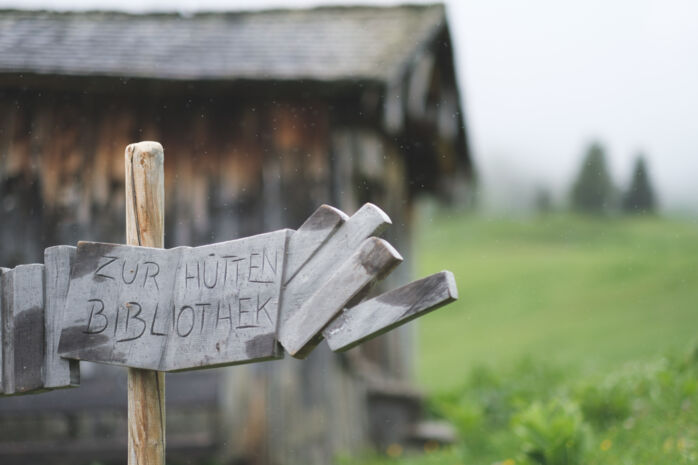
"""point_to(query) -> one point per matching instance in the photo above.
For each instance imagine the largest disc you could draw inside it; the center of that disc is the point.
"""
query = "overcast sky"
(542, 78)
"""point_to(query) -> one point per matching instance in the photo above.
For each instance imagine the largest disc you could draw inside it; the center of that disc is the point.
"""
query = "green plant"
(603, 405)
(553, 433)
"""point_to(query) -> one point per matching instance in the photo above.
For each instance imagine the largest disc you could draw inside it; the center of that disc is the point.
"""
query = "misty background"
(542, 79)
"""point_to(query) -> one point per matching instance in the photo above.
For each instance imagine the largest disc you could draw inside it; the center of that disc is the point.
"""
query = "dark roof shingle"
(326, 44)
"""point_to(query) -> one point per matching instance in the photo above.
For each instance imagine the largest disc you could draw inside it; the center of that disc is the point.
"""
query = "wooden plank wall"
(232, 168)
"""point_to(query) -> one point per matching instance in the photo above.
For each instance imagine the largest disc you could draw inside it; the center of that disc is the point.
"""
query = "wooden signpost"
(145, 226)
(240, 301)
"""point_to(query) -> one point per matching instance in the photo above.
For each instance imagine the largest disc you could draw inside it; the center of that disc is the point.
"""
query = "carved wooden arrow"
(186, 308)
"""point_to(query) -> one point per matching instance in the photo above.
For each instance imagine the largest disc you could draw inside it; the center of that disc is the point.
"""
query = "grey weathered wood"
(23, 328)
(374, 259)
(177, 309)
(380, 314)
(366, 222)
(2, 332)
(31, 309)
(8, 359)
(312, 234)
(58, 372)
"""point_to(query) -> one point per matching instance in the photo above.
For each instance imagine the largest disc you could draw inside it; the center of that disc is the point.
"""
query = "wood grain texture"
(389, 310)
(23, 329)
(312, 234)
(177, 309)
(145, 194)
(145, 226)
(346, 239)
(374, 259)
(2, 330)
(28, 323)
(8, 334)
(31, 308)
(58, 372)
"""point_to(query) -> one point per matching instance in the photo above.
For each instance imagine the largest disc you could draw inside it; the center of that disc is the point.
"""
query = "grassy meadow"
(589, 293)
(572, 341)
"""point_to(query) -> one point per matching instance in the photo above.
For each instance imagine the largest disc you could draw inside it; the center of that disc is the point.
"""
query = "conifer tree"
(639, 198)
(593, 190)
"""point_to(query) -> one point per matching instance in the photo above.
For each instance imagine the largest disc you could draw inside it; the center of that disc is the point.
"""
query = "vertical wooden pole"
(145, 225)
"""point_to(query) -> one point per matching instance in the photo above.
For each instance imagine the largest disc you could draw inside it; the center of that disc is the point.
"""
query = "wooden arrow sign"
(342, 267)
(156, 310)
(220, 304)
(387, 311)
(177, 309)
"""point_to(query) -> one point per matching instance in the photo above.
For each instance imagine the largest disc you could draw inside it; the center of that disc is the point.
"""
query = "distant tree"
(639, 198)
(543, 200)
(593, 190)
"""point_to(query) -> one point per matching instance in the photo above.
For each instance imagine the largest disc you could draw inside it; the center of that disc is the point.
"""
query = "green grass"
(590, 294)
(570, 343)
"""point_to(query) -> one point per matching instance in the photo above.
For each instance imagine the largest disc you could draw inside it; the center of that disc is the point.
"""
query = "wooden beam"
(387, 311)
(8, 334)
(23, 328)
(2, 329)
(145, 224)
(58, 372)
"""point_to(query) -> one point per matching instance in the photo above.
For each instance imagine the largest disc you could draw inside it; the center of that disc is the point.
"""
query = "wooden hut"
(264, 116)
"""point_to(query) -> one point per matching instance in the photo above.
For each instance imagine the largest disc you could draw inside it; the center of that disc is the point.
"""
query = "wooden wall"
(234, 167)
(231, 169)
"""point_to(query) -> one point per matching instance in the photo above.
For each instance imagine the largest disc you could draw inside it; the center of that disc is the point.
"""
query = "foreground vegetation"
(570, 343)
(642, 413)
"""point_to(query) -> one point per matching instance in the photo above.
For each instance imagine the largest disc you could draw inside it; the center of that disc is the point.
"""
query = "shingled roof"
(324, 44)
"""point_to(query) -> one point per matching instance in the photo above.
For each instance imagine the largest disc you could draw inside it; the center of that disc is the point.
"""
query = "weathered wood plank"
(374, 259)
(59, 372)
(312, 234)
(176, 309)
(387, 311)
(23, 326)
(366, 222)
(8, 333)
(2, 330)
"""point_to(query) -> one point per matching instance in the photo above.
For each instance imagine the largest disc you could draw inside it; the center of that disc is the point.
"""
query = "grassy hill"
(580, 292)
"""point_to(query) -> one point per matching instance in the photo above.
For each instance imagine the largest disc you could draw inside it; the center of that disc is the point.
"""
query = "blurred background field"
(578, 291)
(571, 342)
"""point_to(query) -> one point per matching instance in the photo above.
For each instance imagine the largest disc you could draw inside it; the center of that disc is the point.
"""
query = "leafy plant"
(605, 404)
(553, 433)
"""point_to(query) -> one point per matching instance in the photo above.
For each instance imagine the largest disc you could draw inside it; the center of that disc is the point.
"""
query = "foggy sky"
(540, 79)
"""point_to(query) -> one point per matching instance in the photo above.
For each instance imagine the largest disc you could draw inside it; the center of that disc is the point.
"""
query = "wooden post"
(145, 213)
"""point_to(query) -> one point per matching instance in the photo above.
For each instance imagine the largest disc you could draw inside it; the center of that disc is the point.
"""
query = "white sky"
(541, 78)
